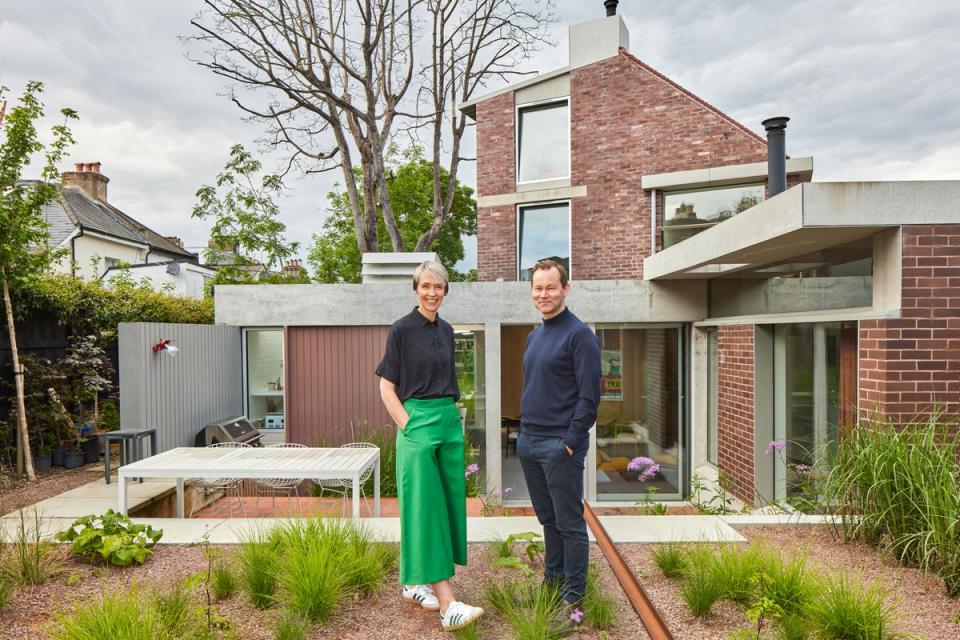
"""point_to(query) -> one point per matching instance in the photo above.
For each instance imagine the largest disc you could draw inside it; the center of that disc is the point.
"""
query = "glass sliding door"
(469, 352)
(815, 396)
(638, 437)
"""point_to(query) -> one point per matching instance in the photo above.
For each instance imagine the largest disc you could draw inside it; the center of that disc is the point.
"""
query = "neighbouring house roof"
(76, 210)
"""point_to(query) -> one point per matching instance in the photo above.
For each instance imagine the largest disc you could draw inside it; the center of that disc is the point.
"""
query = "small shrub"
(259, 566)
(73, 579)
(313, 583)
(671, 559)
(223, 581)
(291, 626)
(846, 610)
(534, 612)
(469, 632)
(793, 627)
(119, 616)
(790, 585)
(600, 610)
(6, 589)
(30, 559)
(173, 608)
(735, 570)
(111, 537)
(702, 588)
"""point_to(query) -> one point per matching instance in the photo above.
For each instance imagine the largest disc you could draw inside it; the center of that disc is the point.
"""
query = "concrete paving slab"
(664, 529)
(49, 527)
(773, 520)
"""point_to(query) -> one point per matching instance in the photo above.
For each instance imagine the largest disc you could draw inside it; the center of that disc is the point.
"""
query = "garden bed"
(921, 604)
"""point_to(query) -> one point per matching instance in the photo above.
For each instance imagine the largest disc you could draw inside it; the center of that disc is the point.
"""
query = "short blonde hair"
(436, 270)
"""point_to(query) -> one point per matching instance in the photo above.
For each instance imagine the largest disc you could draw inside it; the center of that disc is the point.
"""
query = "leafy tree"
(24, 253)
(335, 257)
(245, 217)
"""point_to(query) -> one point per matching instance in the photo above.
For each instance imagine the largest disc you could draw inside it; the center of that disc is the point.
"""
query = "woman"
(418, 384)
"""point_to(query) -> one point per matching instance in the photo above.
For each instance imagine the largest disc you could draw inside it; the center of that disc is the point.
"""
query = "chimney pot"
(95, 167)
(78, 166)
(776, 154)
(611, 6)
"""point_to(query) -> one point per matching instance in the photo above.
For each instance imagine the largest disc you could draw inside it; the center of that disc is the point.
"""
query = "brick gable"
(627, 121)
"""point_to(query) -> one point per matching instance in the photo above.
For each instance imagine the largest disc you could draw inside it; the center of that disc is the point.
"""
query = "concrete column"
(491, 343)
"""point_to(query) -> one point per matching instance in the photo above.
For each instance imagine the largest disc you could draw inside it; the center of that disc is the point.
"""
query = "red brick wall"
(735, 433)
(627, 121)
(911, 366)
(496, 174)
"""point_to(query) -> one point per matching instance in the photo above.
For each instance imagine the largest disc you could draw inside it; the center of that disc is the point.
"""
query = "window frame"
(702, 226)
(545, 203)
(540, 104)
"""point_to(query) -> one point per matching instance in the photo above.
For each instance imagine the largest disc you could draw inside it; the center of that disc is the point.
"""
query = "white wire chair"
(342, 486)
(215, 485)
(287, 485)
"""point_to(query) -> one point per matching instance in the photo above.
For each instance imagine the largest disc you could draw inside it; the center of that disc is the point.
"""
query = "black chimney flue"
(776, 154)
(611, 6)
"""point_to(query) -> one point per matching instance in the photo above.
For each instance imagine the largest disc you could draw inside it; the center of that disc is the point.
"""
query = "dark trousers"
(555, 482)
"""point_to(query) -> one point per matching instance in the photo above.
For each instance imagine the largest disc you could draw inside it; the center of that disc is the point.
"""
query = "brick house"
(821, 304)
(737, 302)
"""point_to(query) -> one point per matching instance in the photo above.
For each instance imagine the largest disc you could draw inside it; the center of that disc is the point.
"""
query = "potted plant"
(44, 461)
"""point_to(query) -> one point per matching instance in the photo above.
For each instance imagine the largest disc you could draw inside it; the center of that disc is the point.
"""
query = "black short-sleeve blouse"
(419, 358)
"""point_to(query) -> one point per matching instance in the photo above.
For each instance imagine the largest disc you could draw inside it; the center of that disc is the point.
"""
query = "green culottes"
(431, 490)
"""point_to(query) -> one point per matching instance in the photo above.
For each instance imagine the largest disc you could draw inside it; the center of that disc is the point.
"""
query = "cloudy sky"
(872, 88)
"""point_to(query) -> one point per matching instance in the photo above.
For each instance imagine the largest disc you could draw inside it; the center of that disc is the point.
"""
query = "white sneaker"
(459, 615)
(422, 595)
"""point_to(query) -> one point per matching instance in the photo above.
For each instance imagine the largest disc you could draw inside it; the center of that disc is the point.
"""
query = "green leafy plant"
(111, 537)
(671, 559)
(534, 550)
(763, 609)
(500, 548)
(291, 626)
(648, 506)
(30, 559)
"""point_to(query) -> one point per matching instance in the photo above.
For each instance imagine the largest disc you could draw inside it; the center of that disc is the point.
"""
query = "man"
(561, 390)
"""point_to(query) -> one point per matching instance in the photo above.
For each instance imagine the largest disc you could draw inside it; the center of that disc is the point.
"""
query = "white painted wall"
(86, 247)
(189, 282)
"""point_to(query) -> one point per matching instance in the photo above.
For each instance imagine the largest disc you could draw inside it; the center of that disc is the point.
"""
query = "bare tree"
(331, 77)
(474, 42)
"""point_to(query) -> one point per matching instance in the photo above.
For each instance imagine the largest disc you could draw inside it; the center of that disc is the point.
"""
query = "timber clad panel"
(179, 395)
(332, 392)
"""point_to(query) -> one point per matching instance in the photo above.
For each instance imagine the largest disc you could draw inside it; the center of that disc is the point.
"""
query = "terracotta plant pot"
(72, 459)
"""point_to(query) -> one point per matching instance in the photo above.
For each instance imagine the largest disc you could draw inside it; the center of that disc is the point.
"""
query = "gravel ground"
(21, 493)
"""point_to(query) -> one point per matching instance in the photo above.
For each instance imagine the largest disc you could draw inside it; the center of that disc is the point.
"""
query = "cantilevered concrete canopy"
(803, 219)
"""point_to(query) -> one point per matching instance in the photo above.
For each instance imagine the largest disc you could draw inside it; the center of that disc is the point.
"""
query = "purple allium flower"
(803, 468)
(775, 445)
(576, 615)
(646, 467)
(471, 469)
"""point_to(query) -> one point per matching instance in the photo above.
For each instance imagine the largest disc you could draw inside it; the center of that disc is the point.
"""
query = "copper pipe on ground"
(651, 620)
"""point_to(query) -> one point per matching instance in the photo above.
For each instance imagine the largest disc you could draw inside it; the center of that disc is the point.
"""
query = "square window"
(543, 232)
(543, 142)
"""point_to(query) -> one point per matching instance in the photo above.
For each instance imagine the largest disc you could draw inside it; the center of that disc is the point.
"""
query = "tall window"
(713, 395)
(265, 390)
(543, 142)
(543, 232)
(638, 420)
(687, 213)
(815, 396)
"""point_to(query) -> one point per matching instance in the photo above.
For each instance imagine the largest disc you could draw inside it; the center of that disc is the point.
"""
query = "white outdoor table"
(256, 462)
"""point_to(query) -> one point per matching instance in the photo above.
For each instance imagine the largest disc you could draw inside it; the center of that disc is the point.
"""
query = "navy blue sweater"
(561, 387)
